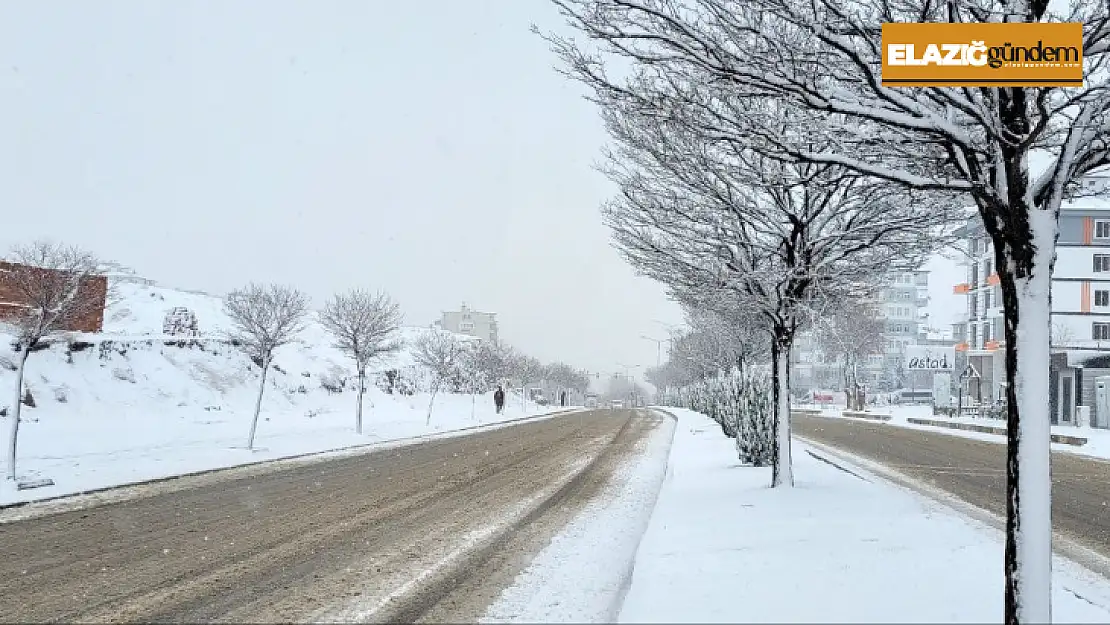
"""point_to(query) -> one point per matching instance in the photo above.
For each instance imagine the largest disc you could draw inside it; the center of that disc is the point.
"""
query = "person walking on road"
(499, 399)
(563, 398)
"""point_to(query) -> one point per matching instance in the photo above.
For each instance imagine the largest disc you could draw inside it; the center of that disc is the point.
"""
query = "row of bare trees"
(265, 317)
(476, 367)
(759, 152)
(50, 280)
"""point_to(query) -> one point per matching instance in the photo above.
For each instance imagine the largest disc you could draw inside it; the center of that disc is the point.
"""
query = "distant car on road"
(616, 403)
(591, 401)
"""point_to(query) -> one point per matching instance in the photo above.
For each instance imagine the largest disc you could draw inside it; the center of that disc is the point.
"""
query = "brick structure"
(94, 290)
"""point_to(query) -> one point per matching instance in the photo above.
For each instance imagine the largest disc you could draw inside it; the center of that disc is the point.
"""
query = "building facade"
(902, 302)
(1080, 320)
(482, 325)
(905, 301)
(91, 293)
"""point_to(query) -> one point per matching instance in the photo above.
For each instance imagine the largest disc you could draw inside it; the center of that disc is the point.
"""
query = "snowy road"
(974, 471)
(427, 531)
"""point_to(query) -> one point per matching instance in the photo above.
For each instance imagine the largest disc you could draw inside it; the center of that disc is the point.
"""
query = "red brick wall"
(94, 288)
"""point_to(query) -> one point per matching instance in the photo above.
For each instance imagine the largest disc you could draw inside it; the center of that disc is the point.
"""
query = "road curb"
(400, 442)
(856, 414)
(1065, 439)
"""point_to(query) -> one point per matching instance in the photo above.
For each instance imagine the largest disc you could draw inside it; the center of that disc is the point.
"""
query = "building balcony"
(962, 347)
(962, 288)
(993, 279)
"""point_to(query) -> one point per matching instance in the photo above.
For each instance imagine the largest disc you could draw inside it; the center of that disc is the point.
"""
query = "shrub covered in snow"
(395, 381)
(741, 404)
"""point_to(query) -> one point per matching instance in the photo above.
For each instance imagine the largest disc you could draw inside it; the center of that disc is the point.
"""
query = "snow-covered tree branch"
(784, 237)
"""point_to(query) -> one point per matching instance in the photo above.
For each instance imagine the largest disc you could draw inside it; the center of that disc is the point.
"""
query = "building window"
(974, 275)
(974, 336)
(1102, 298)
(466, 327)
(986, 300)
(1102, 229)
(1100, 331)
(1102, 263)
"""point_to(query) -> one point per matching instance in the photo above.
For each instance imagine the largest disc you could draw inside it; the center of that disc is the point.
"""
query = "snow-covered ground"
(129, 406)
(720, 546)
(1097, 446)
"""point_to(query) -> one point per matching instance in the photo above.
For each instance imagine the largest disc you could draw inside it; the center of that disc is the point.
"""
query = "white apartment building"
(1080, 319)
(471, 322)
(902, 301)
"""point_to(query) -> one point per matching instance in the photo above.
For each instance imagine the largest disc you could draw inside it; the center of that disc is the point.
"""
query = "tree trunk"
(435, 389)
(782, 473)
(258, 402)
(16, 410)
(361, 392)
(1025, 272)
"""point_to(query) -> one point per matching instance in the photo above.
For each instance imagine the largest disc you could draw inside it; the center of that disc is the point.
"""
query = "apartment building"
(1080, 319)
(902, 301)
(471, 322)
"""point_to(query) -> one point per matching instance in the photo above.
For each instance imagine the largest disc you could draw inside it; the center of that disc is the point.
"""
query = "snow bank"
(581, 576)
(131, 404)
(723, 547)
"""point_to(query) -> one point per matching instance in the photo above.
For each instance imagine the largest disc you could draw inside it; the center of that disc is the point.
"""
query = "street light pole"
(658, 347)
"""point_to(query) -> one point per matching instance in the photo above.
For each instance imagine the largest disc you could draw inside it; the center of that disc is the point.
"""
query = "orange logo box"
(983, 55)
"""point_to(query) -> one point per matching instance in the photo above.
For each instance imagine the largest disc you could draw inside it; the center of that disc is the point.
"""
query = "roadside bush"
(333, 382)
(740, 403)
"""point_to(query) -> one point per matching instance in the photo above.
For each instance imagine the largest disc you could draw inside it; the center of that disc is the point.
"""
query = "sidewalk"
(723, 547)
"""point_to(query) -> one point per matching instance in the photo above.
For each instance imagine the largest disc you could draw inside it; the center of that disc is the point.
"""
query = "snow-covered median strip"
(723, 547)
(581, 576)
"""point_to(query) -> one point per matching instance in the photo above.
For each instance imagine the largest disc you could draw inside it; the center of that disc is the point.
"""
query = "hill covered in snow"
(134, 401)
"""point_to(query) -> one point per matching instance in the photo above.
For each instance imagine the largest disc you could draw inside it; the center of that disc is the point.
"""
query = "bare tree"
(784, 237)
(443, 354)
(365, 327)
(851, 334)
(264, 318)
(51, 288)
(1062, 335)
(824, 57)
(526, 369)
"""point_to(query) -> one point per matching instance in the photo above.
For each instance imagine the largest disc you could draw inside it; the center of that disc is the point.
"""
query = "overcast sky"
(426, 148)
